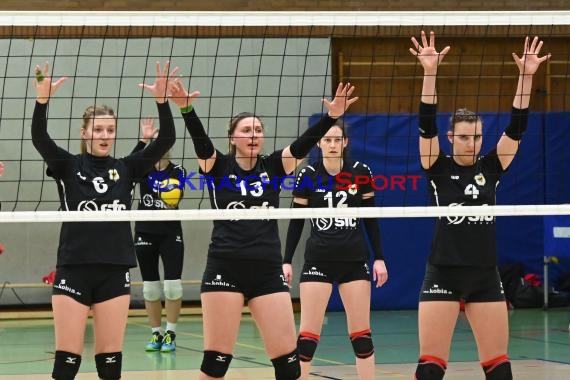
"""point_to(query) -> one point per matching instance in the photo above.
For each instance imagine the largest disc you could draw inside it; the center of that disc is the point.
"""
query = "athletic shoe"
(168, 343)
(155, 342)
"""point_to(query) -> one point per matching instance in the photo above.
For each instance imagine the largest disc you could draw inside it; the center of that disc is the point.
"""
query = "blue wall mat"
(538, 175)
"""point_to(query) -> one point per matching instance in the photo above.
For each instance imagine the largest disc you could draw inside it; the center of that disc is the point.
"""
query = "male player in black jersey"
(463, 259)
(244, 258)
(94, 258)
(156, 240)
(336, 251)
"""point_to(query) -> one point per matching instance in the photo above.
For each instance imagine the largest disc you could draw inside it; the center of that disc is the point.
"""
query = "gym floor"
(539, 349)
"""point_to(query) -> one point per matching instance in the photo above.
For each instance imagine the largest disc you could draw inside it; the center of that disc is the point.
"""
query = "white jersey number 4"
(472, 190)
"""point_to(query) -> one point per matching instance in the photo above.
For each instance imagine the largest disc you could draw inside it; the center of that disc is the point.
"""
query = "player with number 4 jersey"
(463, 261)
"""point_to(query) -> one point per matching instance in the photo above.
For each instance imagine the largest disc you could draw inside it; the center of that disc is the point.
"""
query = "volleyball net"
(280, 66)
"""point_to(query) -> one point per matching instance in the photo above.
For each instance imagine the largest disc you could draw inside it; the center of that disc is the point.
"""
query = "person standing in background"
(159, 240)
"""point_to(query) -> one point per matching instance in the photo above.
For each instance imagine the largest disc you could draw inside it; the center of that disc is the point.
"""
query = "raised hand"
(179, 95)
(44, 85)
(342, 100)
(530, 61)
(160, 87)
(426, 53)
(148, 131)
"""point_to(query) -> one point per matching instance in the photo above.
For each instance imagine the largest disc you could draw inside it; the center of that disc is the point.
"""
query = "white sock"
(156, 329)
(170, 326)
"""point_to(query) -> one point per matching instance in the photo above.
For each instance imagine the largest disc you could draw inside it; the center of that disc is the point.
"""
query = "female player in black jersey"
(336, 251)
(156, 240)
(462, 263)
(94, 258)
(244, 258)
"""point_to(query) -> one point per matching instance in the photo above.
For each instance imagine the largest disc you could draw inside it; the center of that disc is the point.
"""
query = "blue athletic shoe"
(155, 342)
(168, 343)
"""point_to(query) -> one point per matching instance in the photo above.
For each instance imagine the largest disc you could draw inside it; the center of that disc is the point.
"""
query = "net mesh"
(280, 66)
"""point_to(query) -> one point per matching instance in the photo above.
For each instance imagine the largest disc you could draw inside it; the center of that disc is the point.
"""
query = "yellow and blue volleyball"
(170, 192)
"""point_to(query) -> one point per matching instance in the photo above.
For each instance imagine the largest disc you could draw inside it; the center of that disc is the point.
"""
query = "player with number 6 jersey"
(94, 258)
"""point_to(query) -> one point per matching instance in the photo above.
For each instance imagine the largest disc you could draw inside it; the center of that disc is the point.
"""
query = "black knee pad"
(66, 365)
(287, 367)
(109, 365)
(498, 369)
(430, 368)
(215, 364)
(307, 344)
(362, 344)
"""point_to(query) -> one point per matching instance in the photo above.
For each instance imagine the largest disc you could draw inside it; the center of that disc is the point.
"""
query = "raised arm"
(54, 156)
(430, 59)
(202, 143)
(527, 64)
(294, 153)
(145, 159)
(148, 131)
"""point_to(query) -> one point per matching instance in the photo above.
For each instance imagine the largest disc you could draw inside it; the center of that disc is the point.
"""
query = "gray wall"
(283, 80)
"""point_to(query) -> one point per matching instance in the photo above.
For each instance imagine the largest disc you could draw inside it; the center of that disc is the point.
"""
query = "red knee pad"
(430, 368)
(498, 368)
(362, 344)
(307, 344)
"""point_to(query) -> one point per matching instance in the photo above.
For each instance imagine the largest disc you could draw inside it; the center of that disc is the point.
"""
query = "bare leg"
(173, 310)
(154, 312)
(110, 319)
(221, 316)
(70, 319)
(314, 300)
(490, 325)
(356, 300)
(437, 321)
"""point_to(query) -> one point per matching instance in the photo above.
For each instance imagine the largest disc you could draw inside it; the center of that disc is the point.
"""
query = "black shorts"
(331, 272)
(93, 283)
(470, 284)
(168, 247)
(252, 278)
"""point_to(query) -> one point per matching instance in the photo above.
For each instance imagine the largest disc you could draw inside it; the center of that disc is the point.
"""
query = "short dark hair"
(463, 114)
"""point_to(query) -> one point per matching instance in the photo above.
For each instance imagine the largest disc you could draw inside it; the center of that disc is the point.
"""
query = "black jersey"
(150, 200)
(464, 240)
(334, 239)
(89, 183)
(231, 187)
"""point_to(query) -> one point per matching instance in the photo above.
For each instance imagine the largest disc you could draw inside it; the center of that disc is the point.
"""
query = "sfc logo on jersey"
(353, 189)
(322, 224)
(114, 175)
(480, 179)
